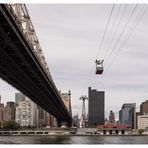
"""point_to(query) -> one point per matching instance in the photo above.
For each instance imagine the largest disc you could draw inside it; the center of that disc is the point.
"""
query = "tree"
(0, 124)
(10, 125)
(140, 131)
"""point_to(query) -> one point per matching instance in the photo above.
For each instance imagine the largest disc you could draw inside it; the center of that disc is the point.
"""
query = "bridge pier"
(64, 123)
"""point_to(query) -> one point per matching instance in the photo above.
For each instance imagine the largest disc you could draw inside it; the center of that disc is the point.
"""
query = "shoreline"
(72, 135)
(64, 132)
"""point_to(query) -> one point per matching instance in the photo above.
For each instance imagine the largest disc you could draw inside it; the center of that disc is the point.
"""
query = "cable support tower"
(83, 115)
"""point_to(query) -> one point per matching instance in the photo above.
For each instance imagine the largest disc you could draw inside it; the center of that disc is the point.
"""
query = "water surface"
(73, 139)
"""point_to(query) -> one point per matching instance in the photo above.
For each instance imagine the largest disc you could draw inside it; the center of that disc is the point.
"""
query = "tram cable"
(111, 30)
(123, 31)
(114, 34)
(132, 29)
(102, 40)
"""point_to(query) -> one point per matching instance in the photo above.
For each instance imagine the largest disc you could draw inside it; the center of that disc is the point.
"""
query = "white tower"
(83, 116)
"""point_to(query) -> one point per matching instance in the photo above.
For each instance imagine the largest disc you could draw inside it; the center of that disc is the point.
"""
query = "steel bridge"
(22, 63)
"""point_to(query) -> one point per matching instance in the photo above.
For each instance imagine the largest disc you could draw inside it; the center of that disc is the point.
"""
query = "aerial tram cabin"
(99, 67)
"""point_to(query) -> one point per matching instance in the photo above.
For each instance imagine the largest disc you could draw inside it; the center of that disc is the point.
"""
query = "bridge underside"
(20, 68)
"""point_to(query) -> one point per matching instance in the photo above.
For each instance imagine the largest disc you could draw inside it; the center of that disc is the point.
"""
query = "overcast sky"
(70, 36)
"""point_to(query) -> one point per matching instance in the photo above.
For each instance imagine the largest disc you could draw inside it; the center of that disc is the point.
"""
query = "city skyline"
(70, 39)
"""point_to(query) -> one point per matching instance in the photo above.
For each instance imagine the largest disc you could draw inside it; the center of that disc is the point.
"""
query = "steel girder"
(20, 67)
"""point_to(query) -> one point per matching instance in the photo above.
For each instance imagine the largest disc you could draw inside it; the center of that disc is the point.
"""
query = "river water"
(73, 139)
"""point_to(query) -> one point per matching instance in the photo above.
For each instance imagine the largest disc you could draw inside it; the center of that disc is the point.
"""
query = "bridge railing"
(24, 22)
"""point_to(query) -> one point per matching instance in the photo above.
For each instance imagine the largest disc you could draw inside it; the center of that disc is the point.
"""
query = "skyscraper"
(95, 107)
(76, 120)
(27, 113)
(50, 120)
(144, 108)
(45, 119)
(112, 117)
(9, 112)
(1, 111)
(42, 117)
(127, 115)
(19, 97)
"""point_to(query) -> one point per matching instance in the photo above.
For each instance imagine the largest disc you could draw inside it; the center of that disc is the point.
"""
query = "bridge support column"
(63, 123)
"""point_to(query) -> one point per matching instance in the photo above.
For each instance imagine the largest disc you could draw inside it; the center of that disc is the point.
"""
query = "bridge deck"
(20, 68)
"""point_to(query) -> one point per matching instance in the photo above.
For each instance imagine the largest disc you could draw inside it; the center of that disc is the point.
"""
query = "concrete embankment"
(69, 132)
(66, 131)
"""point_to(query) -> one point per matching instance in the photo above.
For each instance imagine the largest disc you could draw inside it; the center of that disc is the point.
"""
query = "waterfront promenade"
(72, 131)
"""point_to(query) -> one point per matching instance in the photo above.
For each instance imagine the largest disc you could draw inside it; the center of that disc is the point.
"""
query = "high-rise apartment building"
(76, 121)
(95, 107)
(112, 117)
(9, 112)
(127, 115)
(43, 117)
(51, 120)
(27, 113)
(144, 108)
(30, 114)
(1, 111)
(19, 97)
